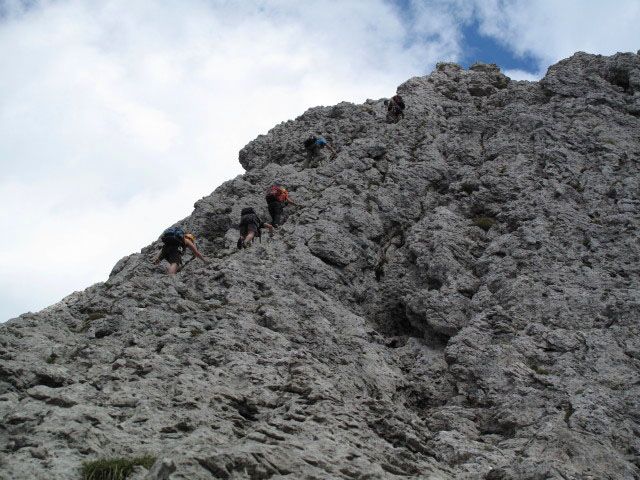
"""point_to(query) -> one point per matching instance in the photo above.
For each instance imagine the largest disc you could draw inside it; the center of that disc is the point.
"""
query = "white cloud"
(523, 75)
(116, 116)
(550, 30)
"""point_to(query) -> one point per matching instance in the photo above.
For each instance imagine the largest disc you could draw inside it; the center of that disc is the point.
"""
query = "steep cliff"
(458, 297)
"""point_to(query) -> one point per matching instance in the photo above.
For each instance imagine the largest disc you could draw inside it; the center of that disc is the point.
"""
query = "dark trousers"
(276, 211)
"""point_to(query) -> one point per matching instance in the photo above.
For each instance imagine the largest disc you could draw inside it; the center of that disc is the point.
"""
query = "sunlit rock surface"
(457, 298)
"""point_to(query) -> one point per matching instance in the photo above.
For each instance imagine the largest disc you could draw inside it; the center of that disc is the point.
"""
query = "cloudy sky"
(116, 116)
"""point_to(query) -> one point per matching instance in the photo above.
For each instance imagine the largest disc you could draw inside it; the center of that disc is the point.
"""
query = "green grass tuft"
(469, 188)
(485, 223)
(83, 328)
(373, 182)
(576, 186)
(539, 371)
(567, 414)
(114, 468)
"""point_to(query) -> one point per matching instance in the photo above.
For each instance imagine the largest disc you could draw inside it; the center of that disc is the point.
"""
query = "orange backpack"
(275, 193)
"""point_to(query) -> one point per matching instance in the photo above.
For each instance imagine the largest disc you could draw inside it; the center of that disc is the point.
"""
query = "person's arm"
(332, 150)
(288, 200)
(195, 251)
(159, 258)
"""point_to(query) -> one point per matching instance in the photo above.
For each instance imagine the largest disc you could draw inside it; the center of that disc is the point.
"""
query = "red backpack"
(275, 193)
(399, 101)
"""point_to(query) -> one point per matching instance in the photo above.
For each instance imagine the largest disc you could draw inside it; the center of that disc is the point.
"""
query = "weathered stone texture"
(457, 298)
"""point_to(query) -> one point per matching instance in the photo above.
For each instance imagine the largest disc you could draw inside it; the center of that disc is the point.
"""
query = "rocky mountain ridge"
(457, 298)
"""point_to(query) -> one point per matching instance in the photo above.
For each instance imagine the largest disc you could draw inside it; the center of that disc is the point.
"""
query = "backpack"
(248, 216)
(399, 101)
(173, 237)
(274, 194)
(308, 143)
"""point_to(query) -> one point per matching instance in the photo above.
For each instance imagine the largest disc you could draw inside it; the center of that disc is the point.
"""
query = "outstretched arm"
(332, 149)
(293, 203)
(195, 251)
(159, 258)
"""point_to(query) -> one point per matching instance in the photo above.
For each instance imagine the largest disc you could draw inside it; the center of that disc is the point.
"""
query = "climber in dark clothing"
(277, 199)
(175, 244)
(395, 108)
(250, 225)
(314, 147)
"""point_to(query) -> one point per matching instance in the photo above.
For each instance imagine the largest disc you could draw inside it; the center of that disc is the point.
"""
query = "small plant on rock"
(539, 370)
(576, 186)
(469, 188)
(114, 468)
(485, 223)
(567, 414)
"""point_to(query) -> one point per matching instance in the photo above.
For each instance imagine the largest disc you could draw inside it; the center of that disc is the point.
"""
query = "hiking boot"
(240, 244)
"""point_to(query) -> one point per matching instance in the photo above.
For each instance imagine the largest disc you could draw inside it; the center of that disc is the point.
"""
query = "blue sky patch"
(475, 46)
(480, 48)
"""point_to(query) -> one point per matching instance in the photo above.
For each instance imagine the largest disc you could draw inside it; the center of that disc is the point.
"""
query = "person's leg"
(315, 158)
(173, 268)
(273, 211)
(309, 157)
(249, 237)
(174, 257)
(243, 234)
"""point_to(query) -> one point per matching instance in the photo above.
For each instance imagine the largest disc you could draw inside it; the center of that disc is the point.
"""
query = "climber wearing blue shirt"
(313, 146)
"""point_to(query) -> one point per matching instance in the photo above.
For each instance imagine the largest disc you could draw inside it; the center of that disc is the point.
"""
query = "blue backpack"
(173, 237)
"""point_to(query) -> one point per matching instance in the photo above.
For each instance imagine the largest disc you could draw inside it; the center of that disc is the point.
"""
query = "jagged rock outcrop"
(458, 298)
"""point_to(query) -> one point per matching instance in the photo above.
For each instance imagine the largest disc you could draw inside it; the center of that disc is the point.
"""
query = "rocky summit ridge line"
(458, 298)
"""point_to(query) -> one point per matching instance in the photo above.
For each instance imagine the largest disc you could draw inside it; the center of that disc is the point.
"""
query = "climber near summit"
(395, 108)
(250, 226)
(278, 198)
(313, 146)
(175, 241)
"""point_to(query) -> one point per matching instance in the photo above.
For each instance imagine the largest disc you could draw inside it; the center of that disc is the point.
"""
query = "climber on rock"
(395, 108)
(174, 243)
(278, 198)
(314, 147)
(250, 226)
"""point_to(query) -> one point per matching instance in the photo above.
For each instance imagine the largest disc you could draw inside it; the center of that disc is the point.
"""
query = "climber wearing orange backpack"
(175, 243)
(278, 198)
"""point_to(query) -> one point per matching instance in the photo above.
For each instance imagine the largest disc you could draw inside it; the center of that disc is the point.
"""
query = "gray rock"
(457, 297)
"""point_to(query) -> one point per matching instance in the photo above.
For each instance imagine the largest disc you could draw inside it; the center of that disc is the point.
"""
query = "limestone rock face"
(458, 297)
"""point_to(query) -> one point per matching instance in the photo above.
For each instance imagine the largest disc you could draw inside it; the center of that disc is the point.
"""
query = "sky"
(117, 116)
